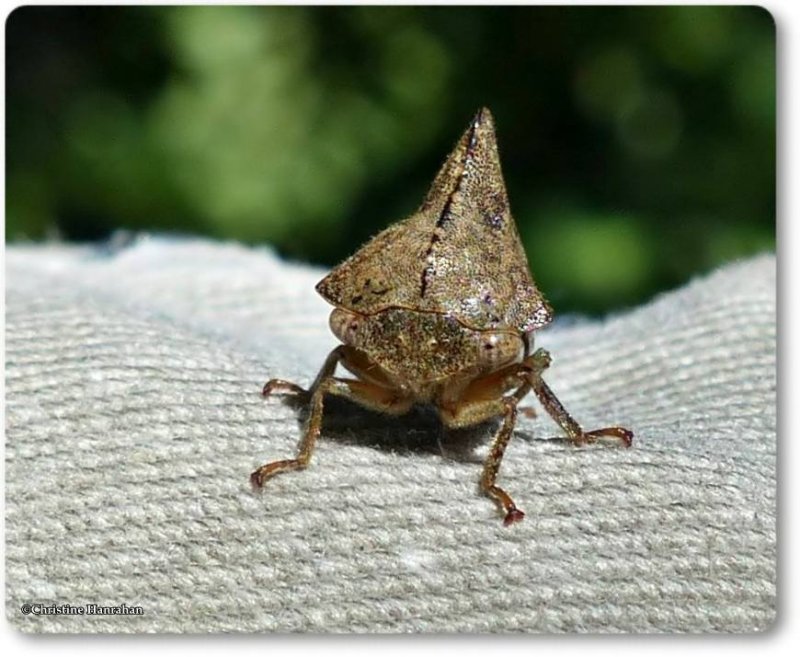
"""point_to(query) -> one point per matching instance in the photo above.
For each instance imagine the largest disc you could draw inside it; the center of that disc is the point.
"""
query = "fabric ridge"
(134, 418)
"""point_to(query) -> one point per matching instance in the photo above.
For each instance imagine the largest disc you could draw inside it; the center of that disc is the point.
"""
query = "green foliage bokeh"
(638, 143)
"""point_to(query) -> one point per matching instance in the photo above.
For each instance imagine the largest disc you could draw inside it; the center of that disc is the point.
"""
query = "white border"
(784, 636)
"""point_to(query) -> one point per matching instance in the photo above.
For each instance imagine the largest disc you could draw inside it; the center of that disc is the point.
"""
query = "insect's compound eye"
(344, 325)
(491, 348)
(498, 348)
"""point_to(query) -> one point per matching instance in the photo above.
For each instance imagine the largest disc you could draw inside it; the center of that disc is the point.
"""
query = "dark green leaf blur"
(638, 144)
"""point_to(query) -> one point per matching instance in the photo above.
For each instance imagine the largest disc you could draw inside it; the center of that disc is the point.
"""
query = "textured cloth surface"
(134, 419)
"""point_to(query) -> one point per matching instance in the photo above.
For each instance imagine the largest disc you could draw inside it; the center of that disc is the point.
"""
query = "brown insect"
(440, 309)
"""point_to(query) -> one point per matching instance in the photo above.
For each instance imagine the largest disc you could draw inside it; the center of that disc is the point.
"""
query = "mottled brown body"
(440, 309)
(427, 356)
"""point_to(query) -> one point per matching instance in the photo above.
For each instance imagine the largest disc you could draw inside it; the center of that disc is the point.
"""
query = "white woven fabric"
(134, 419)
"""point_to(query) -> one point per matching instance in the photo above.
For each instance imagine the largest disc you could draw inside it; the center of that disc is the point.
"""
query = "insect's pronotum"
(440, 309)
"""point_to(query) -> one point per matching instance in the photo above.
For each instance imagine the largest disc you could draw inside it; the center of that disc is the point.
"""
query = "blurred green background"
(638, 143)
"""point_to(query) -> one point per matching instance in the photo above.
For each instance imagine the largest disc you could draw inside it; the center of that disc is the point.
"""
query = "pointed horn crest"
(459, 254)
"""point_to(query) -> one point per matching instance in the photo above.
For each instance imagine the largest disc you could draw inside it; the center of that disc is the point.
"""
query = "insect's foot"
(513, 515)
(625, 436)
(280, 386)
(269, 470)
(256, 481)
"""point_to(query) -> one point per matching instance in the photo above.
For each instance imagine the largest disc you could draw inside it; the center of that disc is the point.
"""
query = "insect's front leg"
(492, 464)
(537, 363)
(482, 399)
(317, 392)
(376, 393)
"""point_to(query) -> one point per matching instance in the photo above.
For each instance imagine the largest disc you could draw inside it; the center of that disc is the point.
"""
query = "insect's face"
(418, 349)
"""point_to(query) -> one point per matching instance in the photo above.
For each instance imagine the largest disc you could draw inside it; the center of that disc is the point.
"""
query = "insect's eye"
(488, 346)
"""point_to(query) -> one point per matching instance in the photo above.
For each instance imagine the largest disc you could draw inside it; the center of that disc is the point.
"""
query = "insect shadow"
(418, 431)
